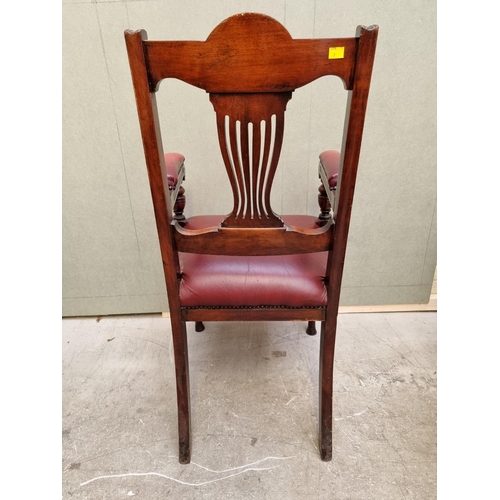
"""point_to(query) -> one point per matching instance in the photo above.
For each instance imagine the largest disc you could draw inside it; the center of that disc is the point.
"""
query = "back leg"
(199, 326)
(311, 328)
(182, 382)
(327, 350)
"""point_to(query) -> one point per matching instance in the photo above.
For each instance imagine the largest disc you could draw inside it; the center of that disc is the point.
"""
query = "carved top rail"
(237, 55)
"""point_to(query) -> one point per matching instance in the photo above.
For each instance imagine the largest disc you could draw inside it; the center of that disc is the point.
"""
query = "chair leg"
(182, 380)
(311, 328)
(327, 350)
(199, 326)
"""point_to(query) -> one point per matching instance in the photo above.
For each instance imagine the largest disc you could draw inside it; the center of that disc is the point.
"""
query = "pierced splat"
(250, 128)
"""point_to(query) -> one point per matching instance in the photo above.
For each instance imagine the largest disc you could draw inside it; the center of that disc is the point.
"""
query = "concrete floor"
(254, 410)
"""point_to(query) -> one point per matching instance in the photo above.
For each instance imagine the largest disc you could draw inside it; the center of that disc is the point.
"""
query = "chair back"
(250, 66)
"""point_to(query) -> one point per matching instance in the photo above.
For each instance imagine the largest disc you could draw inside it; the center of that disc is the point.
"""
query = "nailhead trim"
(252, 307)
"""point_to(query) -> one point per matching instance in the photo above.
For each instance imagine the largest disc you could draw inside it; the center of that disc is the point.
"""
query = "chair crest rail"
(234, 58)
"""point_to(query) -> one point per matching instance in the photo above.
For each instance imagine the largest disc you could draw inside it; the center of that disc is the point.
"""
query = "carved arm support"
(328, 170)
(176, 174)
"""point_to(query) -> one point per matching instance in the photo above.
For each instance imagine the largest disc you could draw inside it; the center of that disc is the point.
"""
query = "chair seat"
(236, 281)
(173, 162)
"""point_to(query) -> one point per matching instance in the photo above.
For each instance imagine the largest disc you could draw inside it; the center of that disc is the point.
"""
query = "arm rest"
(330, 162)
(328, 170)
(174, 165)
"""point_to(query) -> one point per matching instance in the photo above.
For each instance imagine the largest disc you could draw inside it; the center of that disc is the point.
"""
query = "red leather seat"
(279, 280)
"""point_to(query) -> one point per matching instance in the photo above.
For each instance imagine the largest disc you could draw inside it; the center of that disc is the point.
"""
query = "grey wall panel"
(100, 250)
(392, 227)
(111, 260)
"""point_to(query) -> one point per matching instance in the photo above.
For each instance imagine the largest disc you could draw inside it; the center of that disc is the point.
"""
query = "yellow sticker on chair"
(335, 52)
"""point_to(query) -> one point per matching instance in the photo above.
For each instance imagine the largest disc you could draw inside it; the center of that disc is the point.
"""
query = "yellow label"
(336, 53)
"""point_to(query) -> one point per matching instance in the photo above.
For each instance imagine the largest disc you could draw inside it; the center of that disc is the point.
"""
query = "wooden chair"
(252, 265)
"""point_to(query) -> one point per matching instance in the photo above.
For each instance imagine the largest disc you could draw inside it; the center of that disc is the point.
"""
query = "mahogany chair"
(252, 265)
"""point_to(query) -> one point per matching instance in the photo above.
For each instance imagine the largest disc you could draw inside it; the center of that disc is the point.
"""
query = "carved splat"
(250, 128)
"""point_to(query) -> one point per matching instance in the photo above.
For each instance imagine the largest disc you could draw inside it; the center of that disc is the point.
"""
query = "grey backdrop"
(111, 259)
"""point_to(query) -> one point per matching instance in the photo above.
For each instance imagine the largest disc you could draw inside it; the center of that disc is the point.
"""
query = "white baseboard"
(430, 306)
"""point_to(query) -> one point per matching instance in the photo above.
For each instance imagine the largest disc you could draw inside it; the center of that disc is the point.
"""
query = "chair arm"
(174, 166)
(330, 161)
(176, 173)
(329, 164)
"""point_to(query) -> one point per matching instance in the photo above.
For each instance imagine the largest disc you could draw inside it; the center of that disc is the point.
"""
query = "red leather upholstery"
(235, 281)
(173, 162)
(331, 161)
